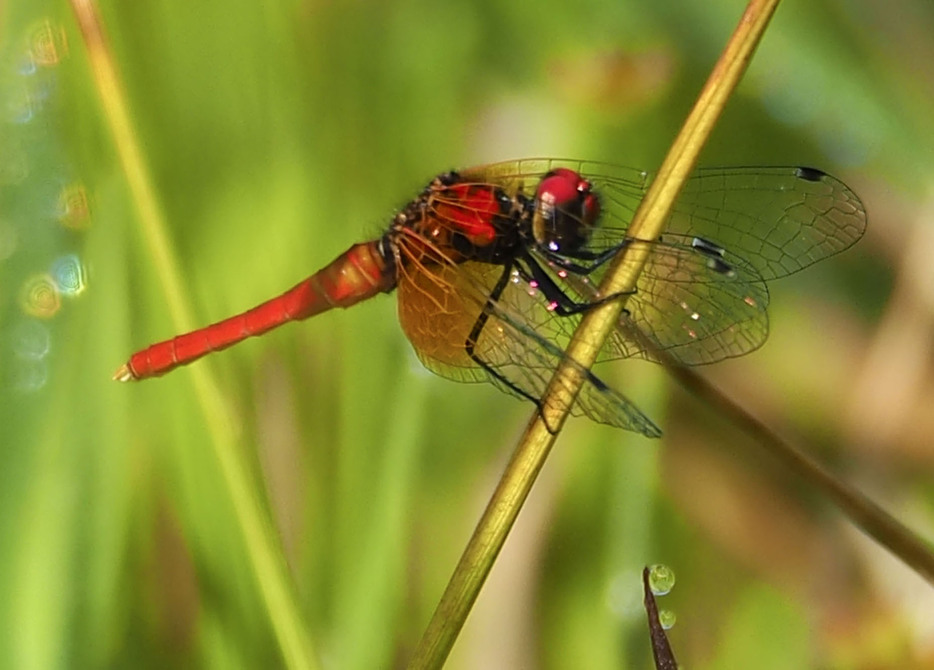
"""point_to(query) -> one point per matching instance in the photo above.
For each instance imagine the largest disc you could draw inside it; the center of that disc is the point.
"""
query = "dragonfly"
(494, 267)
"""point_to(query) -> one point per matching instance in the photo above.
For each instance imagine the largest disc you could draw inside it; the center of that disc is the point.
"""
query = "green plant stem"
(536, 443)
(259, 536)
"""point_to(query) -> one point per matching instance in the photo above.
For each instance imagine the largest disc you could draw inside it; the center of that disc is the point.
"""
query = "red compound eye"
(566, 210)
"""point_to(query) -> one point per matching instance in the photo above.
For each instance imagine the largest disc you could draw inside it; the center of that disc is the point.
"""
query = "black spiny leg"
(471, 344)
(601, 402)
(565, 258)
(563, 305)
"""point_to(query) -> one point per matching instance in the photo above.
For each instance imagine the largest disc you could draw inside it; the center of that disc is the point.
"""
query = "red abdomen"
(359, 273)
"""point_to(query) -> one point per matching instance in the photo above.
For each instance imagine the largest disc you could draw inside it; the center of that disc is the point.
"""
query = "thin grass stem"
(536, 443)
(259, 537)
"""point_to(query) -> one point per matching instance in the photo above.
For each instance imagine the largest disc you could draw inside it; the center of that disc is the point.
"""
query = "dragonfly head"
(566, 210)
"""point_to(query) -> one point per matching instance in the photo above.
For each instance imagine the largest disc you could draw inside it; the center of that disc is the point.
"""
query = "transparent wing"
(702, 295)
(439, 307)
(779, 219)
(698, 306)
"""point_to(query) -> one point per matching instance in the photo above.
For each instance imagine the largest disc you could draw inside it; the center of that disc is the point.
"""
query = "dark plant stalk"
(857, 507)
(661, 649)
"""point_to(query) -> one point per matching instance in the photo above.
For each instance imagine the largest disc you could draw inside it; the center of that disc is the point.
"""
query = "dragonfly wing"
(528, 361)
(697, 302)
(780, 219)
(698, 308)
(702, 295)
(523, 176)
(437, 315)
(439, 305)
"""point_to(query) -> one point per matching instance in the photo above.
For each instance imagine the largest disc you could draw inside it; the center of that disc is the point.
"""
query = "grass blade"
(259, 536)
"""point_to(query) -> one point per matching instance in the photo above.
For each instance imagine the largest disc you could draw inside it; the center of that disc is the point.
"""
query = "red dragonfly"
(494, 266)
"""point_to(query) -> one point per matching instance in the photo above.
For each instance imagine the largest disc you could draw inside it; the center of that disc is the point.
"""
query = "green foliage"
(276, 135)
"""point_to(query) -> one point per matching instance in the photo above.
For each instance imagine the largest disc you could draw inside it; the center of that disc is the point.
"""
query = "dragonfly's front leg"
(566, 259)
(558, 301)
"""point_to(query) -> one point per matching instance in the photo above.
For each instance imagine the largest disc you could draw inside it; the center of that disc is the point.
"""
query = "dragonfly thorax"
(461, 221)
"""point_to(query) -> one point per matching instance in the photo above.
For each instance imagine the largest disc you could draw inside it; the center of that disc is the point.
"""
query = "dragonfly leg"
(561, 303)
(566, 259)
(471, 344)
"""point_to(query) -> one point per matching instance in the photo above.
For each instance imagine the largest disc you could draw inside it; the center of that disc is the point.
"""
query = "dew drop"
(661, 579)
(667, 619)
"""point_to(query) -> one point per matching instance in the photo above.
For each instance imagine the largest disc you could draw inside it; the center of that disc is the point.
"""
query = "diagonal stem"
(885, 529)
(535, 444)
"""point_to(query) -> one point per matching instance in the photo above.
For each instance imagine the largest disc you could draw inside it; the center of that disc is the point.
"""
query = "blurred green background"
(276, 135)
